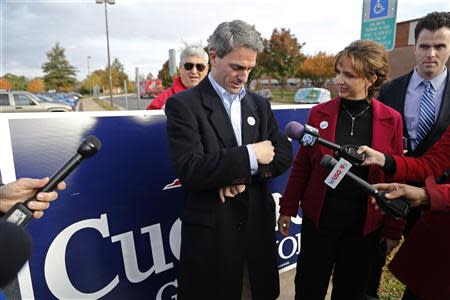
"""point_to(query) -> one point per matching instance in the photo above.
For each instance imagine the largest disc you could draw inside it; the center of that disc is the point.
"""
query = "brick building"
(401, 59)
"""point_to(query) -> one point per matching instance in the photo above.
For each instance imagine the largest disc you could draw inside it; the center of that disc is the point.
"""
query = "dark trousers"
(350, 254)
(380, 260)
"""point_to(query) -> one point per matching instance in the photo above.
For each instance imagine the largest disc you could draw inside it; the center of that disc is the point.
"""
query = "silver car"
(22, 101)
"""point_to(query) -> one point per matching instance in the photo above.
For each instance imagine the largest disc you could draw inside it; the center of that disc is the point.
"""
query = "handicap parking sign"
(378, 8)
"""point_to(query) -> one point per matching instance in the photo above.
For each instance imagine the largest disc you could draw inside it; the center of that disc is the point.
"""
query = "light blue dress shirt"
(232, 103)
(412, 101)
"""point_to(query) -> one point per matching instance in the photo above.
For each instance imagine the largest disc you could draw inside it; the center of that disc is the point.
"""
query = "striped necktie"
(426, 113)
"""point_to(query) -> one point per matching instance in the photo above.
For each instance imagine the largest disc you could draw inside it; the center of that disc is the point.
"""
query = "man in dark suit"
(225, 145)
(406, 94)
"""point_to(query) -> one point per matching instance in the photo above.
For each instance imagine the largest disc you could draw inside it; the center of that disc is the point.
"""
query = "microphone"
(397, 208)
(308, 136)
(20, 214)
(15, 250)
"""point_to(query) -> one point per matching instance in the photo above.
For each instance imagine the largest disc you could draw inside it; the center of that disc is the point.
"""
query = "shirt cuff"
(252, 158)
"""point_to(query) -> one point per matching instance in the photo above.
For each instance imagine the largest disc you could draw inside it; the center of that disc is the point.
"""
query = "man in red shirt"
(193, 68)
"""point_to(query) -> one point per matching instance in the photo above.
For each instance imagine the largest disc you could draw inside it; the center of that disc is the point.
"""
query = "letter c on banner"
(55, 262)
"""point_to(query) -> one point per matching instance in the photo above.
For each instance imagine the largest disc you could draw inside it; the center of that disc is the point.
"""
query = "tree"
(282, 56)
(36, 86)
(59, 74)
(317, 68)
(164, 75)
(4, 84)
(18, 83)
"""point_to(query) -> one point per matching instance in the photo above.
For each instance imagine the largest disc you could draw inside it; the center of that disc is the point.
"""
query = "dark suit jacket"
(393, 93)
(423, 261)
(218, 237)
(306, 181)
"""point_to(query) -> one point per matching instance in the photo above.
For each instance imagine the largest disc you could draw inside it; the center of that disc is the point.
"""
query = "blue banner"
(114, 232)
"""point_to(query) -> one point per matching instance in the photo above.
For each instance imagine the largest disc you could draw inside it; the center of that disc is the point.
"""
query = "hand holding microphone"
(24, 189)
(22, 213)
(398, 208)
(308, 136)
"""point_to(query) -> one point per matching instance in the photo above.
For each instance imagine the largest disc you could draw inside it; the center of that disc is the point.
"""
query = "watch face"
(17, 217)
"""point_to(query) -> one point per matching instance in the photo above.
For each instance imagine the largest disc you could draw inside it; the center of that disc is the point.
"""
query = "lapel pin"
(323, 125)
(251, 121)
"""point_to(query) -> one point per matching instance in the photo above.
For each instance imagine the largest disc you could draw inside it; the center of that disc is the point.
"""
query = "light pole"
(88, 78)
(107, 44)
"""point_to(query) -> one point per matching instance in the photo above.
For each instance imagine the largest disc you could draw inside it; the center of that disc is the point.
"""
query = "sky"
(141, 32)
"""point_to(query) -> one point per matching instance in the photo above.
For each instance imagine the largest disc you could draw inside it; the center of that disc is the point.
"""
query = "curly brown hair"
(368, 58)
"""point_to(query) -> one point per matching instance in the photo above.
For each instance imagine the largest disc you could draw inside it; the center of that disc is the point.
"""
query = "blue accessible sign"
(379, 22)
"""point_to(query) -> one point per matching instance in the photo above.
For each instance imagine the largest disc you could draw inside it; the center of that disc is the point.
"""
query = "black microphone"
(308, 136)
(397, 208)
(15, 249)
(20, 214)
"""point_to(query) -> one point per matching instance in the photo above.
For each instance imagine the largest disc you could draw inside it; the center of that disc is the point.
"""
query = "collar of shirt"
(227, 97)
(436, 81)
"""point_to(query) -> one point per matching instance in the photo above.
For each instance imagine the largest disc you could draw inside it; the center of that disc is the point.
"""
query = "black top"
(345, 207)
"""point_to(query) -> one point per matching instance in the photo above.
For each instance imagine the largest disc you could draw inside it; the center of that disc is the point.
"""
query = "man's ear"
(212, 57)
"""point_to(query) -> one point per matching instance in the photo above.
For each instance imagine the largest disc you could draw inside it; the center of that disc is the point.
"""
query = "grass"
(288, 96)
(105, 105)
(390, 287)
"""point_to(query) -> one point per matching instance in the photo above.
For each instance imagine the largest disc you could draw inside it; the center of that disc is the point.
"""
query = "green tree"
(18, 83)
(59, 74)
(164, 75)
(317, 68)
(282, 56)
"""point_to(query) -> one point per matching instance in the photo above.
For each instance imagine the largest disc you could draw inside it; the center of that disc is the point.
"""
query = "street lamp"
(88, 73)
(107, 44)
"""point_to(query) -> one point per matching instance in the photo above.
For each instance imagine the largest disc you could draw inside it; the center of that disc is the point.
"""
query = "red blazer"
(423, 261)
(161, 100)
(306, 181)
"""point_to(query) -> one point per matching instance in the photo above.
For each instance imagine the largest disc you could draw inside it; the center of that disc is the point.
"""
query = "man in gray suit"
(225, 145)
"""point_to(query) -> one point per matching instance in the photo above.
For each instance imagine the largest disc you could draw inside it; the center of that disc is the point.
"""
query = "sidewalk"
(88, 104)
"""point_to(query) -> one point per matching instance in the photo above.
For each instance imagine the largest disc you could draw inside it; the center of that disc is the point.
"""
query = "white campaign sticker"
(340, 169)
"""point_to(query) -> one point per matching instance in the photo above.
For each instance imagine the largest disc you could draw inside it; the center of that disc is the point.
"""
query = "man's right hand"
(230, 191)
(264, 152)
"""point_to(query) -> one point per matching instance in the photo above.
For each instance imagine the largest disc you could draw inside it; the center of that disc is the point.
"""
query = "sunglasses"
(200, 67)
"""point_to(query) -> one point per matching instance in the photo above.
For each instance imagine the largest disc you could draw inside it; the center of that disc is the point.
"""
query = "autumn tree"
(317, 68)
(18, 83)
(4, 84)
(59, 74)
(36, 86)
(282, 56)
(164, 75)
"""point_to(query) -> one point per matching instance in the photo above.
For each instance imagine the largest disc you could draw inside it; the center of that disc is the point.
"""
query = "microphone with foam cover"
(15, 250)
(308, 136)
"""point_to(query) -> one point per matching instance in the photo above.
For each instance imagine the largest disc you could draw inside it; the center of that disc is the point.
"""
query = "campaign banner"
(114, 233)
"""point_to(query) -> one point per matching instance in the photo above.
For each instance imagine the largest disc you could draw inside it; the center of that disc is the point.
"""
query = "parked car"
(266, 93)
(22, 101)
(312, 95)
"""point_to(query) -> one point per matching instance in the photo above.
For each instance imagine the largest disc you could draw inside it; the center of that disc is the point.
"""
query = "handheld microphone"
(20, 214)
(15, 250)
(308, 136)
(397, 208)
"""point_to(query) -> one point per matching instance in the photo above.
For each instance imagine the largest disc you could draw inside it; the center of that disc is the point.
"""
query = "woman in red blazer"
(340, 228)
(423, 261)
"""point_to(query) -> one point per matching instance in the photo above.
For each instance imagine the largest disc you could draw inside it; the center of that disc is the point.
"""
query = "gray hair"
(234, 34)
(193, 50)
